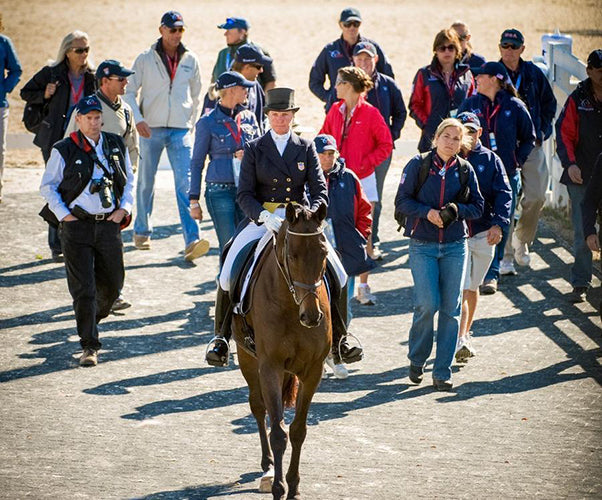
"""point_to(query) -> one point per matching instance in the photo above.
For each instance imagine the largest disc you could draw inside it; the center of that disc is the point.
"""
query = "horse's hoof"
(266, 481)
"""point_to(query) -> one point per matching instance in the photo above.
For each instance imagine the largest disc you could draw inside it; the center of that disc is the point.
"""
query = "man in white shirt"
(88, 186)
(164, 96)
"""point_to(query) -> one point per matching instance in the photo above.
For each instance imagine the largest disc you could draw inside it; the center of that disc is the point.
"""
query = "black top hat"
(280, 99)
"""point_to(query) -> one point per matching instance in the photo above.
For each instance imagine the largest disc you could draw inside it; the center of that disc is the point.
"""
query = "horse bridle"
(311, 289)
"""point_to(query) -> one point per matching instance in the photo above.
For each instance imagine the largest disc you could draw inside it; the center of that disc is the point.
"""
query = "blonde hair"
(462, 24)
(357, 78)
(66, 45)
(453, 122)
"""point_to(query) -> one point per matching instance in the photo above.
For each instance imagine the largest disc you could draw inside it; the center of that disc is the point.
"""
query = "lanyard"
(490, 116)
(238, 134)
(518, 80)
(76, 96)
(443, 167)
(451, 84)
(173, 66)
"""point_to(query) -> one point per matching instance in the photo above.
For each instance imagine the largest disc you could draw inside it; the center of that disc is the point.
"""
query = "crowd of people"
(480, 158)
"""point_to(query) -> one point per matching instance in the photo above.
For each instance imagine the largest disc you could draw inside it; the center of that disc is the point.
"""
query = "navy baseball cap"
(325, 142)
(250, 54)
(112, 67)
(350, 14)
(172, 19)
(492, 68)
(470, 120)
(366, 47)
(89, 103)
(594, 60)
(513, 36)
(235, 23)
(232, 79)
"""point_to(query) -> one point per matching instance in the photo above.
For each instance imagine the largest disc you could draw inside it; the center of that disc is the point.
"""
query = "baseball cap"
(325, 142)
(492, 68)
(232, 79)
(112, 67)
(172, 19)
(594, 60)
(513, 36)
(350, 14)
(366, 47)
(234, 22)
(470, 120)
(88, 103)
(249, 54)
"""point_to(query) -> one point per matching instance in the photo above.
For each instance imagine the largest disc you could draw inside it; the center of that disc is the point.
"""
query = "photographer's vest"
(78, 155)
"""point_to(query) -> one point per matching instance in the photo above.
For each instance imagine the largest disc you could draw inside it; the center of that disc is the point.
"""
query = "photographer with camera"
(435, 207)
(88, 185)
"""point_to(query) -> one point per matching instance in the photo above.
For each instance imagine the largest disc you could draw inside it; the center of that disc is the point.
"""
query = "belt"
(272, 206)
(81, 214)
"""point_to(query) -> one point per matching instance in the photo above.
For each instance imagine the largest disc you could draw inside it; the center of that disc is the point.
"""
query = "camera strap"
(81, 142)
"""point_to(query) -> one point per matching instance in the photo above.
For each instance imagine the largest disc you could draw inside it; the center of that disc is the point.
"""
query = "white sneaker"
(364, 297)
(464, 350)
(507, 268)
(339, 370)
(521, 252)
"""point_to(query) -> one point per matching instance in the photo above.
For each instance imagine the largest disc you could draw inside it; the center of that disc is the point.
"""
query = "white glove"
(271, 221)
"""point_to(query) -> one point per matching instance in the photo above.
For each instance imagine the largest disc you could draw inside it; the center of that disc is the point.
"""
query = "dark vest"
(79, 166)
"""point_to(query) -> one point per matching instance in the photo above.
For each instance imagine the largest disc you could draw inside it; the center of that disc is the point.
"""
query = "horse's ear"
(320, 212)
(291, 213)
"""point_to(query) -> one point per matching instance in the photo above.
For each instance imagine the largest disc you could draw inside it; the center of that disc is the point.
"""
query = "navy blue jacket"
(213, 137)
(334, 56)
(494, 187)
(511, 125)
(536, 92)
(386, 97)
(10, 69)
(431, 101)
(345, 195)
(265, 176)
(436, 192)
(474, 60)
(592, 199)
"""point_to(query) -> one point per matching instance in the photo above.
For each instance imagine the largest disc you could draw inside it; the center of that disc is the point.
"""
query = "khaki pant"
(535, 179)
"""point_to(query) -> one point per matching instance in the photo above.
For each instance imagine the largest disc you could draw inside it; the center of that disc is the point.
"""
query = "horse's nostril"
(320, 317)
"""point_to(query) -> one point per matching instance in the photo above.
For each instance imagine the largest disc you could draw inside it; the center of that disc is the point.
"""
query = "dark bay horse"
(290, 316)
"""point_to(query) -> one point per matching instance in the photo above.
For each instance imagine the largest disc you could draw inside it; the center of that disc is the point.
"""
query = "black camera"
(103, 187)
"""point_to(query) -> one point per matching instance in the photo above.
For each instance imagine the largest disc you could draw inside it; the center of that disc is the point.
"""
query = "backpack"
(34, 113)
(463, 195)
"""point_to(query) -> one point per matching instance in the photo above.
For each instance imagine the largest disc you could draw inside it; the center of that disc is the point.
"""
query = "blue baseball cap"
(469, 120)
(513, 36)
(350, 14)
(594, 60)
(325, 142)
(89, 103)
(235, 23)
(251, 54)
(172, 19)
(492, 68)
(366, 47)
(112, 67)
(232, 79)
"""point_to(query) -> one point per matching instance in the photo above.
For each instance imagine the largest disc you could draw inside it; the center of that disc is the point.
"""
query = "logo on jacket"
(301, 166)
(585, 105)
(335, 54)
(78, 162)
(480, 168)
(508, 112)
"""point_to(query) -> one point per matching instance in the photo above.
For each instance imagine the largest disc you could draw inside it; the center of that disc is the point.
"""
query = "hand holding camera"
(449, 214)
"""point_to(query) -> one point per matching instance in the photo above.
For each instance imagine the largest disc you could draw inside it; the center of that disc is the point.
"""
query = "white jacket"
(158, 101)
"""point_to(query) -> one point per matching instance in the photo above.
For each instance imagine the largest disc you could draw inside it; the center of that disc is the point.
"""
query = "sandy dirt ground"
(294, 33)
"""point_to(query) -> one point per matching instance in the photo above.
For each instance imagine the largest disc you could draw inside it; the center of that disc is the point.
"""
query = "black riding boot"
(341, 351)
(218, 355)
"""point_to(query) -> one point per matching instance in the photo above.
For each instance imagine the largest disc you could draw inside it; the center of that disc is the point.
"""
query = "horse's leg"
(271, 388)
(298, 428)
(248, 367)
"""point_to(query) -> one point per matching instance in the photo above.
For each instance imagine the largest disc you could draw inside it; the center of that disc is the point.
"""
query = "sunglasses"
(340, 81)
(181, 29)
(81, 50)
(119, 78)
(350, 24)
(443, 48)
(256, 66)
(509, 46)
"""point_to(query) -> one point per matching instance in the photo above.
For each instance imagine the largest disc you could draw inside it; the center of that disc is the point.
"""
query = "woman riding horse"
(275, 171)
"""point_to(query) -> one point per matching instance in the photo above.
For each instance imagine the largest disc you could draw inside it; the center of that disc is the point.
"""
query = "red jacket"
(368, 139)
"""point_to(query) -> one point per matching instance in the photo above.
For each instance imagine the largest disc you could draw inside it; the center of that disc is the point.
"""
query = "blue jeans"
(381, 173)
(494, 269)
(178, 143)
(581, 272)
(437, 271)
(223, 209)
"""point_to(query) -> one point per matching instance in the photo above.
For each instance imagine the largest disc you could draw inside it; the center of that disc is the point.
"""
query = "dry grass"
(293, 32)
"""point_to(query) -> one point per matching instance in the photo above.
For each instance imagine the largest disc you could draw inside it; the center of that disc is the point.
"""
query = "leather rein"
(310, 289)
